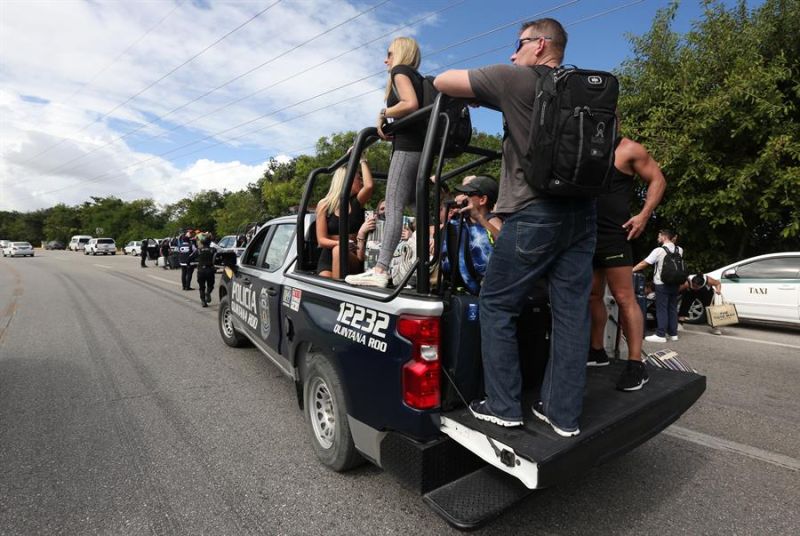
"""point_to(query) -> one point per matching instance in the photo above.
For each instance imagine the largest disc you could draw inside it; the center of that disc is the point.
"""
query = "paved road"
(121, 412)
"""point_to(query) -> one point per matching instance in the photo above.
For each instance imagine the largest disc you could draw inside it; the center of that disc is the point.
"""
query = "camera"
(457, 204)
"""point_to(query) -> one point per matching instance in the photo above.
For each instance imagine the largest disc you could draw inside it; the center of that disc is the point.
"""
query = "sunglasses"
(523, 40)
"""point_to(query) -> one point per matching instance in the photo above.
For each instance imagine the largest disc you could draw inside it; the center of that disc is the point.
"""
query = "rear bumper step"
(476, 498)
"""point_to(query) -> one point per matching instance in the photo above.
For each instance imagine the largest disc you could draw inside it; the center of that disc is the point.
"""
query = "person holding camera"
(470, 239)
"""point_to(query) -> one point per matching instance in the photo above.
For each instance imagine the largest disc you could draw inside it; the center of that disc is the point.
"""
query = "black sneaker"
(633, 377)
(205, 304)
(481, 412)
(597, 358)
(208, 297)
(538, 411)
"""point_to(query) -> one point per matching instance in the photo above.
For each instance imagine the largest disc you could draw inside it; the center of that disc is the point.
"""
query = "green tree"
(239, 209)
(196, 212)
(719, 109)
(61, 223)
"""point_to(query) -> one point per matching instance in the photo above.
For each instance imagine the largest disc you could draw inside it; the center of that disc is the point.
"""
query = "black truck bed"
(613, 422)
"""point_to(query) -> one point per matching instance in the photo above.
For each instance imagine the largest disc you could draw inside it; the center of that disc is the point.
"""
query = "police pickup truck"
(382, 374)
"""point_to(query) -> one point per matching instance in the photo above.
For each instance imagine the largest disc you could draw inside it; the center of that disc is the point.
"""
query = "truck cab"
(384, 375)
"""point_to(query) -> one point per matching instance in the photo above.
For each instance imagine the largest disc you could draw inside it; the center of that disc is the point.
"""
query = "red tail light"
(421, 389)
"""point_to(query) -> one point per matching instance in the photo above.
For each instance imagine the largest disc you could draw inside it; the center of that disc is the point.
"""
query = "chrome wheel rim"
(322, 411)
(227, 322)
(696, 310)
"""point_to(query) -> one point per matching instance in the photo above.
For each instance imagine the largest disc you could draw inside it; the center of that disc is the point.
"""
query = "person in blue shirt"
(474, 233)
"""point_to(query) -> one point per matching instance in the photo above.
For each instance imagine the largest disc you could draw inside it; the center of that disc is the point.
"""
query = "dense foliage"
(719, 109)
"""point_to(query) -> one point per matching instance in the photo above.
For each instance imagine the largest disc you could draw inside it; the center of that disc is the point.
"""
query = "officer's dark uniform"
(144, 252)
(187, 258)
(205, 272)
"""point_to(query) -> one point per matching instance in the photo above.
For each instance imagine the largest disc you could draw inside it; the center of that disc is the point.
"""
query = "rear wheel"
(326, 416)
(230, 336)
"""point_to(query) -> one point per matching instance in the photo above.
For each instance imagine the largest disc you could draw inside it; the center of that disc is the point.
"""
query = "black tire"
(326, 416)
(229, 334)
(696, 312)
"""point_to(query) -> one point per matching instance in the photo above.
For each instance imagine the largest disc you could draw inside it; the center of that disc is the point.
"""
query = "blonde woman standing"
(328, 211)
(403, 97)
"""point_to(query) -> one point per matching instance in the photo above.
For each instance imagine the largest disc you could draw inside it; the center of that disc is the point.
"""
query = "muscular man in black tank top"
(613, 258)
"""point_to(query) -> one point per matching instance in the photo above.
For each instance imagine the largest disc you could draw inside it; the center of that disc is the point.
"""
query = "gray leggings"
(400, 192)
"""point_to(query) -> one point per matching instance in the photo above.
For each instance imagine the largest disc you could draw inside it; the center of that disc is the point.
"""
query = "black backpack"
(573, 134)
(673, 270)
(457, 111)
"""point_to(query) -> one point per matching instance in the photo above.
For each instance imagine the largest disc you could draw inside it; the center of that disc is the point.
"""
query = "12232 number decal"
(366, 320)
(362, 325)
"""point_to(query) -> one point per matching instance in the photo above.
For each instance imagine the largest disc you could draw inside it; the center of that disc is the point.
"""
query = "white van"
(78, 242)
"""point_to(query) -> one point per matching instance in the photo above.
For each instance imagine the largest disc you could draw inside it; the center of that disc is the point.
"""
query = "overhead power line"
(435, 52)
(167, 75)
(95, 76)
(209, 92)
(105, 176)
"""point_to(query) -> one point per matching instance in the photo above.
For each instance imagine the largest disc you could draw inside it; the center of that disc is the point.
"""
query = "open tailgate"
(613, 422)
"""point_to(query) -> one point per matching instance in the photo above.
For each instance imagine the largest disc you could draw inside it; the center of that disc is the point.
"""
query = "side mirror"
(228, 259)
(730, 273)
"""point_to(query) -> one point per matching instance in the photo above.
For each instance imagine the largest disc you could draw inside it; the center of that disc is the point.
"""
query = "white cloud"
(48, 50)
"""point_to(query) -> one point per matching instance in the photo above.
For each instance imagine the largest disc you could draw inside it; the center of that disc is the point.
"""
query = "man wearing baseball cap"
(480, 193)
(474, 233)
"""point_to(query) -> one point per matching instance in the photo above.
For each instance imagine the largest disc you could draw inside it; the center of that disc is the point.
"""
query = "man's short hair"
(550, 28)
(669, 233)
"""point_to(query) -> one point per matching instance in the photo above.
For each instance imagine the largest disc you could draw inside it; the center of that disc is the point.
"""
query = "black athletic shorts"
(612, 253)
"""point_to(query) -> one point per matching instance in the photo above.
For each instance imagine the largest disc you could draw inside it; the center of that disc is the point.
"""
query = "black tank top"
(412, 137)
(356, 219)
(614, 208)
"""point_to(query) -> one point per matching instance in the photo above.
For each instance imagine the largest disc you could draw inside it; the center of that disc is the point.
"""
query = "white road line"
(163, 280)
(733, 338)
(102, 266)
(724, 445)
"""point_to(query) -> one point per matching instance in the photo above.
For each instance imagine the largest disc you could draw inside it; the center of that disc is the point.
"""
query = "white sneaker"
(673, 337)
(716, 331)
(370, 278)
(656, 338)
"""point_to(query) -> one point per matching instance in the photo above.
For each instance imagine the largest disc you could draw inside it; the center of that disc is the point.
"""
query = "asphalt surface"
(122, 412)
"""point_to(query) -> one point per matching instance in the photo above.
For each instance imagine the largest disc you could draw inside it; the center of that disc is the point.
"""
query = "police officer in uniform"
(144, 252)
(205, 270)
(187, 258)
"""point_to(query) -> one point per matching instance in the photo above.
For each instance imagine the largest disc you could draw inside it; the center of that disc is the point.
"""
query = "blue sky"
(69, 70)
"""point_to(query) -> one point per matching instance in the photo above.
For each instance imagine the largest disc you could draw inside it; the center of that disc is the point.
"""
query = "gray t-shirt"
(511, 89)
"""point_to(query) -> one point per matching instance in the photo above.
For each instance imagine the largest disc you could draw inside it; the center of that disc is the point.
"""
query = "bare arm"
(406, 96)
(455, 83)
(641, 266)
(643, 165)
(715, 283)
(323, 239)
(365, 193)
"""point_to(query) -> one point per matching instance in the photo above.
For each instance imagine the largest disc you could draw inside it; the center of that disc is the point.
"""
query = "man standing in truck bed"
(541, 237)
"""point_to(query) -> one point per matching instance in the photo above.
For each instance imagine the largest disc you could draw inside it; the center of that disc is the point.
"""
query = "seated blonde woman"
(328, 211)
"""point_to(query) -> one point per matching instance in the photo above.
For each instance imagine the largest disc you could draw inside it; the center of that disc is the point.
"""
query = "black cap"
(481, 185)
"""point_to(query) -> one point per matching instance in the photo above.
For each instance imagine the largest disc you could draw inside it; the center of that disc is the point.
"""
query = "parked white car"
(18, 249)
(134, 247)
(105, 246)
(764, 288)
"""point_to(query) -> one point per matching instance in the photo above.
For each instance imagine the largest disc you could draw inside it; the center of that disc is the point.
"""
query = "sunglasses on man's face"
(522, 41)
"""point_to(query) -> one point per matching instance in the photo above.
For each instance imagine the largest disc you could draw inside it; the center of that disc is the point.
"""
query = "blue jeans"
(553, 238)
(667, 310)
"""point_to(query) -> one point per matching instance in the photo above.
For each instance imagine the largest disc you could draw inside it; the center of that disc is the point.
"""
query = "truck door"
(269, 285)
(243, 295)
